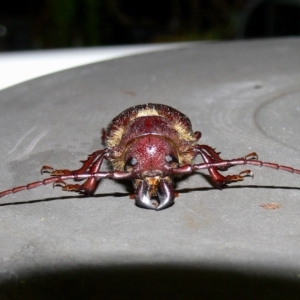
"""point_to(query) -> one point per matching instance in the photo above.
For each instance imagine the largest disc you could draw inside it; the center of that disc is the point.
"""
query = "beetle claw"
(142, 198)
(246, 173)
(251, 156)
(60, 183)
(46, 169)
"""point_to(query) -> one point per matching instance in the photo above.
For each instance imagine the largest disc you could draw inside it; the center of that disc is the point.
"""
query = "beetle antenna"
(187, 169)
(118, 175)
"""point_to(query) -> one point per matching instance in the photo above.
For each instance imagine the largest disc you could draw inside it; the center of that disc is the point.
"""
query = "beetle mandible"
(150, 144)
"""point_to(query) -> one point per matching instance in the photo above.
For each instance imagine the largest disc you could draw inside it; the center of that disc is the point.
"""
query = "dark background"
(44, 24)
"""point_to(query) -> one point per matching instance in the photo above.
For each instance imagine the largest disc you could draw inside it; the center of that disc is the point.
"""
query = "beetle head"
(149, 158)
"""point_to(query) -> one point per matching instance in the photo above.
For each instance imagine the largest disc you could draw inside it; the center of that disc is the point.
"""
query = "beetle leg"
(90, 185)
(66, 187)
(165, 194)
(86, 165)
(215, 156)
(87, 188)
(142, 197)
(219, 180)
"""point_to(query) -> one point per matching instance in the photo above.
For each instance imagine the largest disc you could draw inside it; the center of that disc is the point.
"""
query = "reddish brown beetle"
(149, 144)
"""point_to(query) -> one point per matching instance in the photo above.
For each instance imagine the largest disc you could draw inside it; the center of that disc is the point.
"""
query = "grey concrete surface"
(242, 96)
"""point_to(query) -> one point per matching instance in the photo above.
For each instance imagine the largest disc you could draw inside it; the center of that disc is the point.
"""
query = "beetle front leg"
(210, 156)
(209, 151)
(93, 165)
(59, 180)
(88, 188)
(86, 165)
(220, 181)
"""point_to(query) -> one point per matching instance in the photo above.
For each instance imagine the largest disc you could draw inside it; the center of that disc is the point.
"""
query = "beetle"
(150, 144)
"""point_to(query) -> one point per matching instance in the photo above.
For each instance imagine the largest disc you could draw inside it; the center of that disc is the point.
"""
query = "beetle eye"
(171, 158)
(131, 161)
